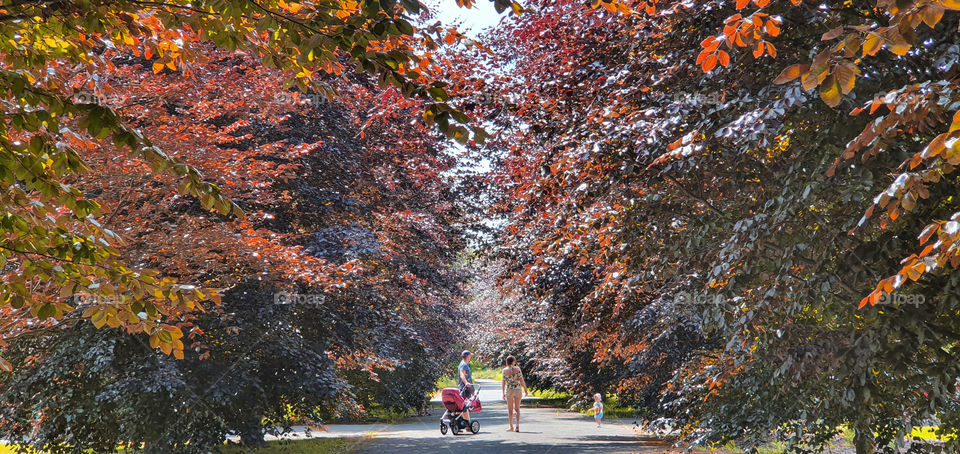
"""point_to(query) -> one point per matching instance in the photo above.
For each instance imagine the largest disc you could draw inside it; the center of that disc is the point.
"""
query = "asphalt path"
(542, 430)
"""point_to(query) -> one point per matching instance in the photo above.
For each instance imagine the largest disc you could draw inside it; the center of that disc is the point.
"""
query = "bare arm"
(524, 383)
(503, 383)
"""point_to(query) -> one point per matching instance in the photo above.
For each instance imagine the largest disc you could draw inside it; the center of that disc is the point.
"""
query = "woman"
(514, 388)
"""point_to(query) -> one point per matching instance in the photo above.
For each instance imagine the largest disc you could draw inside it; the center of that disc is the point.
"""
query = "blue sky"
(471, 21)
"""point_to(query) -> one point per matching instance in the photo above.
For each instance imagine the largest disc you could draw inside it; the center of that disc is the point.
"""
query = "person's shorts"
(598, 416)
(466, 391)
(514, 393)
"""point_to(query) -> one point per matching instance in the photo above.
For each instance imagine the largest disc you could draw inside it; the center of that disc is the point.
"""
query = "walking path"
(542, 430)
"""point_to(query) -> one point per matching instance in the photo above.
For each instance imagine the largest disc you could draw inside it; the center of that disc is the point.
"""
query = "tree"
(54, 243)
(341, 278)
(680, 228)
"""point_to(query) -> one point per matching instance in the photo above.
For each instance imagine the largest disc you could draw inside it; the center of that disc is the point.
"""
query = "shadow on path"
(542, 430)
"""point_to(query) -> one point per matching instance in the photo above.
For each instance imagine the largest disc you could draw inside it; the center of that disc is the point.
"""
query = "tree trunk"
(251, 434)
(863, 439)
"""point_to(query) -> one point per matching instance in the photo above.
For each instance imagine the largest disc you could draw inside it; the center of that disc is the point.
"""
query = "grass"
(313, 446)
(549, 398)
(611, 408)
(385, 415)
(844, 440)
(479, 371)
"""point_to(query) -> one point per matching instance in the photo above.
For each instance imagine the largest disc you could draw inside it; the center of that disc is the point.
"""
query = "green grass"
(612, 409)
(314, 446)
(385, 415)
(488, 373)
(478, 371)
(844, 440)
(550, 394)
(549, 398)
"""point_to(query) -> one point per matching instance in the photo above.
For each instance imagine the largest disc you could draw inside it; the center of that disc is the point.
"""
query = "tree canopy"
(58, 60)
(740, 215)
(686, 224)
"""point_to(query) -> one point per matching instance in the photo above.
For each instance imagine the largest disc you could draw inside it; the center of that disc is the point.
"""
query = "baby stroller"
(455, 405)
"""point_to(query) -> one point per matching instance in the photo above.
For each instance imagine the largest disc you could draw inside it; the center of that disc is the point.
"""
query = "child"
(597, 409)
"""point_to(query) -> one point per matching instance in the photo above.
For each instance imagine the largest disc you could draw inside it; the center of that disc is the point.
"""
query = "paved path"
(542, 430)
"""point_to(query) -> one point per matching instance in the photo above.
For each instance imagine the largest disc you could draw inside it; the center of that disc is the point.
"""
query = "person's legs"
(510, 412)
(516, 408)
(466, 392)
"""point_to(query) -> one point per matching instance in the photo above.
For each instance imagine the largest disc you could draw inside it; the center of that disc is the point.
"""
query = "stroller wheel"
(474, 427)
(455, 428)
(443, 429)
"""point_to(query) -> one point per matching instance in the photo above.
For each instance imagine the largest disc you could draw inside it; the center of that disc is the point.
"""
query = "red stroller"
(455, 405)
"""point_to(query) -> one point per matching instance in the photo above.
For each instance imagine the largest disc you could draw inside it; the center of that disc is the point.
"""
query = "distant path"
(542, 430)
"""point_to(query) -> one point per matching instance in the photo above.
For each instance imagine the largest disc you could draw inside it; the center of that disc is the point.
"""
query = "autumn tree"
(684, 225)
(54, 242)
(347, 206)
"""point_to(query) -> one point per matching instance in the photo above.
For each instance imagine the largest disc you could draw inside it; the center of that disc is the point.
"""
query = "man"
(465, 381)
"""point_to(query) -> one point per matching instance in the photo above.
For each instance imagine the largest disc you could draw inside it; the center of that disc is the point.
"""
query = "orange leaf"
(832, 34)
(830, 91)
(927, 233)
(772, 28)
(955, 125)
(872, 44)
(915, 271)
(738, 40)
(950, 4)
(935, 147)
(846, 77)
(703, 56)
(724, 58)
(710, 63)
(790, 73)
(931, 14)
(771, 50)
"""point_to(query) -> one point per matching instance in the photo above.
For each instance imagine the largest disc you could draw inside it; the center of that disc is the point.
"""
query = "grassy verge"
(549, 398)
(386, 415)
(842, 442)
(479, 371)
(314, 446)
(612, 408)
